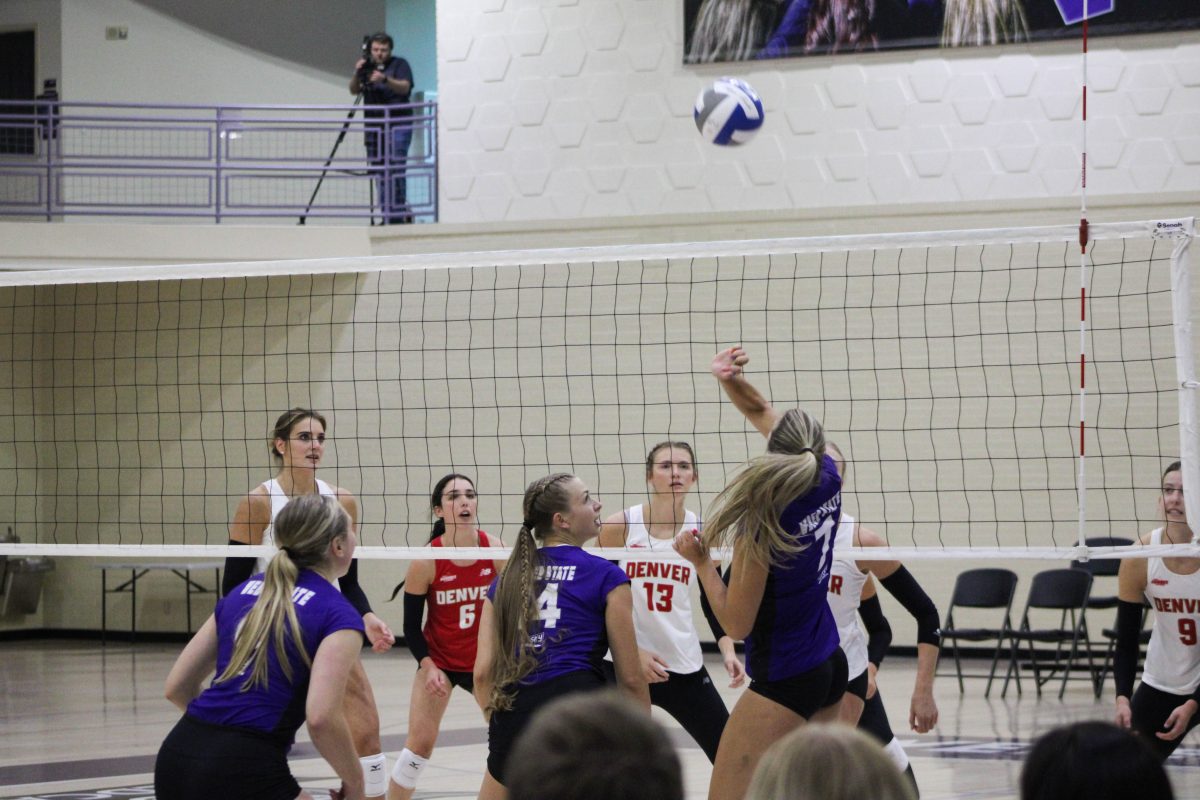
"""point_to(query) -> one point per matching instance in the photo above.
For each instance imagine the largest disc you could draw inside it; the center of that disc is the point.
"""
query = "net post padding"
(1183, 231)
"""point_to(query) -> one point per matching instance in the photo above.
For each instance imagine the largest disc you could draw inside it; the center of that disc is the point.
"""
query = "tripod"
(325, 169)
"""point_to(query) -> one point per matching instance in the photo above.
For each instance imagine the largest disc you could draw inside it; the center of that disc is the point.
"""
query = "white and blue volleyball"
(728, 112)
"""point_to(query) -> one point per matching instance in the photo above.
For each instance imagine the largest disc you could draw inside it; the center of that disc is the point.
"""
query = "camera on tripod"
(363, 76)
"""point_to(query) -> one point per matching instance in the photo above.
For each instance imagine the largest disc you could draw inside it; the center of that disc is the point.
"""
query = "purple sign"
(1072, 10)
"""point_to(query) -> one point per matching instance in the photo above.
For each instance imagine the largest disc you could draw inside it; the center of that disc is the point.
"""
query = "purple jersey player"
(282, 644)
(780, 515)
(582, 605)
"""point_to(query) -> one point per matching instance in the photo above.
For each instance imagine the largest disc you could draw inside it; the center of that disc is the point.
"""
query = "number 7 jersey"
(455, 599)
(1173, 656)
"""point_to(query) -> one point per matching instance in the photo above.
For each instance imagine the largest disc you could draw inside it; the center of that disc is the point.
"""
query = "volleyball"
(728, 112)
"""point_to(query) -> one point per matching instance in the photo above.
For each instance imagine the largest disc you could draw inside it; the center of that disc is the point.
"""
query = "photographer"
(385, 82)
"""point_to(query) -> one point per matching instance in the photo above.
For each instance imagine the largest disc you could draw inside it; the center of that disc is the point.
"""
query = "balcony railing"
(61, 159)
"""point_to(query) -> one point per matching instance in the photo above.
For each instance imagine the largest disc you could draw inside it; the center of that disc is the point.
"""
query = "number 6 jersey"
(1173, 656)
(455, 599)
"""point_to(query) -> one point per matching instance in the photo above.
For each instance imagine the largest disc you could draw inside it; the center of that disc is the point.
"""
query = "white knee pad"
(374, 775)
(408, 768)
(896, 753)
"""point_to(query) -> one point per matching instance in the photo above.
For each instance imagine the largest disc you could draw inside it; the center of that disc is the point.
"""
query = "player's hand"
(377, 77)
(1177, 724)
(1124, 718)
(653, 668)
(435, 680)
(923, 712)
(690, 545)
(359, 64)
(727, 364)
(378, 633)
(872, 687)
(736, 670)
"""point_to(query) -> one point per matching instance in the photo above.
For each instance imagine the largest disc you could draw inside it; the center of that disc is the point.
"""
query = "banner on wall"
(746, 30)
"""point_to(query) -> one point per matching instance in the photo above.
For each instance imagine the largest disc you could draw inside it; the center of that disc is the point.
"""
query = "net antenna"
(1083, 273)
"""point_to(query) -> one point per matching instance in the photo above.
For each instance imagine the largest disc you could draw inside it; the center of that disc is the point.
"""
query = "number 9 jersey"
(1173, 655)
(455, 600)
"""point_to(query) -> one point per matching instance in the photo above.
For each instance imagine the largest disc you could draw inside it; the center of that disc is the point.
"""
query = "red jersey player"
(445, 646)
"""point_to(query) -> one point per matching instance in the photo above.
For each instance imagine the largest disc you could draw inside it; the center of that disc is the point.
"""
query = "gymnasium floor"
(83, 722)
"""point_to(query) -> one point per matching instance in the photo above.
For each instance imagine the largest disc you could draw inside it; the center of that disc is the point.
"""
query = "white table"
(137, 570)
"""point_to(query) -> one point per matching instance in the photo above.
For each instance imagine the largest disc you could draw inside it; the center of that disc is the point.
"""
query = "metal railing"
(60, 159)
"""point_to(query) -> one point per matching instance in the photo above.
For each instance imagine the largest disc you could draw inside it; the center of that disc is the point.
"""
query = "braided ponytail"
(516, 599)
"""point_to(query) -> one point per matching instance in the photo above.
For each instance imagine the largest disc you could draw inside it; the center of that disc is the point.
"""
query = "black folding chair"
(986, 588)
(1066, 592)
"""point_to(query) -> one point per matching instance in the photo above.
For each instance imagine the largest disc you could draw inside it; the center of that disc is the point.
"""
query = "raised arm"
(728, 368)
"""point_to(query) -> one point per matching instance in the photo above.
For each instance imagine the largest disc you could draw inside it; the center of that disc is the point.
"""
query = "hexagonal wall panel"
(529, 32)
(491, 58)
(604, 27)
(580, 107)
(565, 53)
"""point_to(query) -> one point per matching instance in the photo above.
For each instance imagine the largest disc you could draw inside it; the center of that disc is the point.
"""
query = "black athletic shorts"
(506, 726)
(463, 680)
(1150, 708)
(857, 686)
(199, 760)
(808, 692)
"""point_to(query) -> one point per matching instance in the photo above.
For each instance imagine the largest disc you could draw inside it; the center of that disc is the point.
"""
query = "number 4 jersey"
(455, 599)
(1173, 656)
(570, 634)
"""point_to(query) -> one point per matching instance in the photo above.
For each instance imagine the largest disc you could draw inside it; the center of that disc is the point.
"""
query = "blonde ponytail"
(304, 530)
(749, 508)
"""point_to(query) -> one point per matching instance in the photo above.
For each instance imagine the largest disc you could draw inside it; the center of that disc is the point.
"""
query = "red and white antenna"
(1083, 271)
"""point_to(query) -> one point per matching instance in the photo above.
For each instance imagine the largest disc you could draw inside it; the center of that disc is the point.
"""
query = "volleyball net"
(138, 401)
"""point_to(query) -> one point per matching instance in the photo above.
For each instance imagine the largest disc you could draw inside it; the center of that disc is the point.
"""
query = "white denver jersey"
(846, 583)
(662, 598)
(1173, 656)
(279, 499)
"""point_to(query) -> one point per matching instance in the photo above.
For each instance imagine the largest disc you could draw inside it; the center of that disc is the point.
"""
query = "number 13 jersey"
(662, 597)
(1173, 656)
(455, 600)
